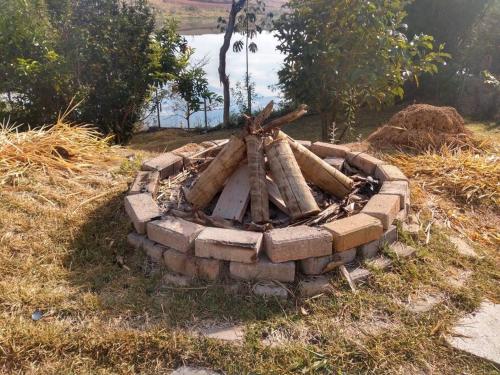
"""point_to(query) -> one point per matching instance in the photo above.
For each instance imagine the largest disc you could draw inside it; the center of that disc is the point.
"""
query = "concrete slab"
(387, 172)
(146, 182)
(187, 265)
(354, 231)
(295, 243)
(312, 286)
(228, 244)
(264, 269)
(167, 164)
(479, 333)
(336, 163)
(383, 207)
(179, 234)
(325, 150)
(363, 161)
(141, 208)
(399, 188)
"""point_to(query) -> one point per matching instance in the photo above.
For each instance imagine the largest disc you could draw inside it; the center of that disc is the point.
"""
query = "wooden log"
(233, 201)
(286, 174)
(211, 181)
(259, 197)
(319, 172)
(275, 196)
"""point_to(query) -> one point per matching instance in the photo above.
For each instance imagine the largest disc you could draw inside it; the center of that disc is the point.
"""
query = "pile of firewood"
(262, 164)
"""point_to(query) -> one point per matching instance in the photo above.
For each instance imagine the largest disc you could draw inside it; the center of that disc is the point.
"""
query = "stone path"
(479, 333)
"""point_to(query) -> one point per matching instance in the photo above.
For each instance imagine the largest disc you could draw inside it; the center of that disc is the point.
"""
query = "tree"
(192, 87)
(450, 22)
(250, 22)
(236, 7)
(342, 54)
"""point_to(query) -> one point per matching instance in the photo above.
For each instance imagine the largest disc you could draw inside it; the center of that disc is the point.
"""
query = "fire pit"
(261, 206)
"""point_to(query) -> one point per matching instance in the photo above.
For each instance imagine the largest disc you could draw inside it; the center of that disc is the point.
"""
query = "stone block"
(153, 250)
(146, 182)
(399, 188)
(176, 233)
(312, 286)
(316, 266)
(264, 269)
(135, 240)
(295, 243)
(141, 208)
(363, 161)
(167, 164)
(336, 163)
(229, 244)
(354, 231)
(383, 207)
(371, 249)
(188, 265)
(270, 290)
(306, 144)
(388, 172)
(325, 150)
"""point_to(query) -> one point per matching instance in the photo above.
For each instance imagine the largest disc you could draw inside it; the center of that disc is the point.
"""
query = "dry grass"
(61, 233)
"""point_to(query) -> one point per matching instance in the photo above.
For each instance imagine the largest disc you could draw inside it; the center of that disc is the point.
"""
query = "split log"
(233, 201)
(319, 172)
(259, 197)
(275, 196)
(211, 181)
(286, 174)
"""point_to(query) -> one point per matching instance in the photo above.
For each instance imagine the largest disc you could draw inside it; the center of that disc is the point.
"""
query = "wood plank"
(275, 195)
(235, 196)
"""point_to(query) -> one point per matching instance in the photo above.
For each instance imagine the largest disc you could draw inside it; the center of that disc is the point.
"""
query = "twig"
(291, 117)
(345, 273)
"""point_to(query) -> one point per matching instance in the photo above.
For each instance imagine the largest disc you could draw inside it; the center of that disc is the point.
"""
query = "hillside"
(200, 16)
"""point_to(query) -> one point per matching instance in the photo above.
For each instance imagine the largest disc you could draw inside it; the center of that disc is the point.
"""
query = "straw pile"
(63, 147)
(462, 175)
(423, 127)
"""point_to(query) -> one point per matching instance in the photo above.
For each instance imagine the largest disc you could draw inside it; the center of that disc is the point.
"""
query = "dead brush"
(463, 175)
(64, 147)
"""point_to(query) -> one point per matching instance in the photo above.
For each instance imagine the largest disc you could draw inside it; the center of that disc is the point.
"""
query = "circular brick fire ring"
(198, 246)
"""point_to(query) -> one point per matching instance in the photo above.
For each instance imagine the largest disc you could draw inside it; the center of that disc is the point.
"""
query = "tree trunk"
(324, 126)
(236, 7)
(212, 179)
(286, 174)
(205, 110)
(259, 202)
(158, 108)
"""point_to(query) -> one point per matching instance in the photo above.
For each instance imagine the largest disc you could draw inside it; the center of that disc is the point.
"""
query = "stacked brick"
(286, 255)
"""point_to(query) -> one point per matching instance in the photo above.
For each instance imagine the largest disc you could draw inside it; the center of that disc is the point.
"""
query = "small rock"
(225, 333)
(270, 290)
(479, 333)
(401, 250)
(313, 286)
(459, 278)
(424, 303)
(186, 370)
(412, 229)
(380, 263)
(177, 280)
(463, 248)
(359, 274)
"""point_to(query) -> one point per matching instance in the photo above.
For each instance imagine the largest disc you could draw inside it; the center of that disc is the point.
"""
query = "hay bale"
(423, 127)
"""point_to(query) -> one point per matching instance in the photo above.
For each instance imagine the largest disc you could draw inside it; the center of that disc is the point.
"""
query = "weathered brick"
(178, 234)
(228, 244)
(363, 161)
(153, 250)
(325, 150)
(136, 240)
(167, 164)
(268, 290)
(312, 286)
(383, 207)
(316, 266)
(399, 188)
(188, 265)
(189, 151)
(296, 243)
(264, 269)
(354, 231)
(336, 163)
(371, 249)
(388, 172)
(141, 208)
(146, 182)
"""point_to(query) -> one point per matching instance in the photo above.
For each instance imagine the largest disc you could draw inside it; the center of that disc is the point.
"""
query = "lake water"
(264, 66)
